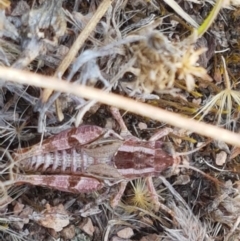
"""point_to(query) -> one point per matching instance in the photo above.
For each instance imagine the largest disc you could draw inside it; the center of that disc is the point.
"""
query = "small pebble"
(125, 233)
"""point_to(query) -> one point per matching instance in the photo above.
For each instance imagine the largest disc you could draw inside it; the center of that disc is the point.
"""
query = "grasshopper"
(87, 158)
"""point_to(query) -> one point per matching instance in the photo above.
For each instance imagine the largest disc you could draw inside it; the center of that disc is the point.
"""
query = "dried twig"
(78, 44)
(143, 109)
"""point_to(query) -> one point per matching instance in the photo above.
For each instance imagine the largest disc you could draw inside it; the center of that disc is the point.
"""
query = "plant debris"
(52, 217)
(180, 56)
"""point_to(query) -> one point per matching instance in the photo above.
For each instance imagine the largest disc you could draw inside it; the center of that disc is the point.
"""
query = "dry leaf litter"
(147, 51)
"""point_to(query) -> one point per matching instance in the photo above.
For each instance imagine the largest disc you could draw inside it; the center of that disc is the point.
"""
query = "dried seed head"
(161, 62)
(187, 67)
(141, 197)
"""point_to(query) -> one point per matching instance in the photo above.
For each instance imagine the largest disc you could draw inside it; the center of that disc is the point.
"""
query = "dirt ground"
(180, 168)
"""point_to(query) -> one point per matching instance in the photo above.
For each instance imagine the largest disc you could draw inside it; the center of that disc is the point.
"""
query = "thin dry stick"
(91, 25)
(24, 77)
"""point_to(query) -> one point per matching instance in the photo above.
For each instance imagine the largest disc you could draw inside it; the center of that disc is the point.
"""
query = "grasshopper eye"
(168, 148)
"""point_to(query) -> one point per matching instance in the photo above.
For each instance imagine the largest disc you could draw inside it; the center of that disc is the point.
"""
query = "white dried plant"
(160, 62)
(224, 102)
(188, 228)
(141, 197)
(12, 129)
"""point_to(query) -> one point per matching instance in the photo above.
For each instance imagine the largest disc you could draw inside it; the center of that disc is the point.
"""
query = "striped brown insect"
(88, 158)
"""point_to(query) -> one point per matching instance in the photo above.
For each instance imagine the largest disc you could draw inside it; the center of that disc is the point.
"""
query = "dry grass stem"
(143, 109)
(78, 44)
(211, 17)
